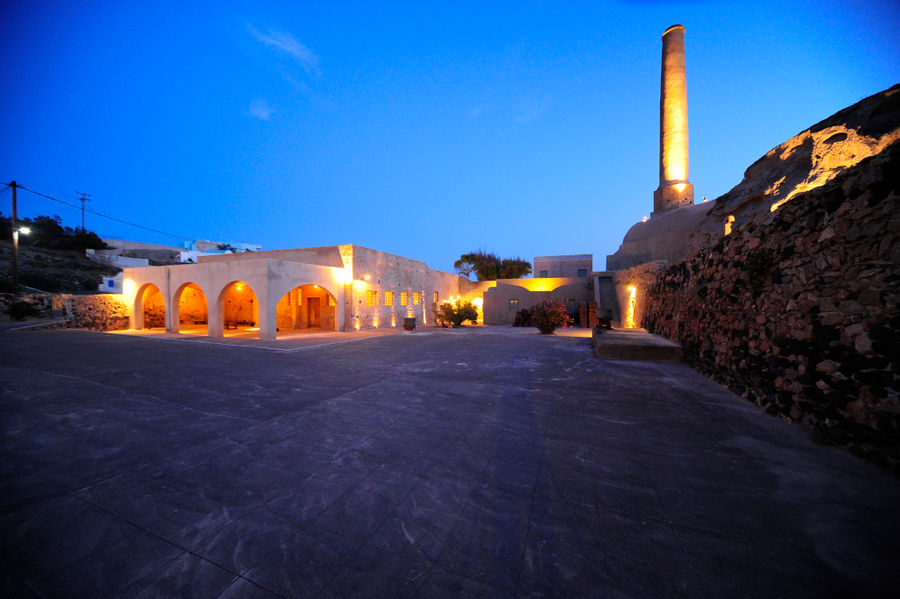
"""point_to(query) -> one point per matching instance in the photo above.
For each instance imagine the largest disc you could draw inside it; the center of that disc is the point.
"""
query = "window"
(542, 274)
(371, 297)
(416, 298)
(435, 297)
(513, 305)
(404, 298)
(388, 298)
(582, 272)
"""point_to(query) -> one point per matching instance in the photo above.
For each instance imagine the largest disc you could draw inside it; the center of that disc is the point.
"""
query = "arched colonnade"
(223, 298)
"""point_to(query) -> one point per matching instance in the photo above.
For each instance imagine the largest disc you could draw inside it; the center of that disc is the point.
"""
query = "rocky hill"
(47, 269)
(806, 161)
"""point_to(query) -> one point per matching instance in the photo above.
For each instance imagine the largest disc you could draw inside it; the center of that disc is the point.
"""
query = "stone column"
(674, 189)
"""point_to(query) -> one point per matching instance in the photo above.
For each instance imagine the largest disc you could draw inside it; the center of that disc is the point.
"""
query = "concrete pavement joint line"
(152, 534)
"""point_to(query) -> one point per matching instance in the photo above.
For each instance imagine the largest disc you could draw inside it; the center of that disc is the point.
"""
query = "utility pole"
(84, 198)
(15, 236)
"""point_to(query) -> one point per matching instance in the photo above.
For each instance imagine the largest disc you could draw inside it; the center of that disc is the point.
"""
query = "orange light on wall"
(728, 224)
(629, 312)
(238, 287)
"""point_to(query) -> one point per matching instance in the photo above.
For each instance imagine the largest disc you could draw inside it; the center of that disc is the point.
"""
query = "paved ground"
(485, 462)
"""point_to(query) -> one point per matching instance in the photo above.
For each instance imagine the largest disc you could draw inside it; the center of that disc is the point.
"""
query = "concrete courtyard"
(489, 462)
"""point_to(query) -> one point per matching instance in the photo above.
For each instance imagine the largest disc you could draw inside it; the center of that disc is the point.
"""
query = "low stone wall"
(102, 312)
(797, 311)
(105, 312)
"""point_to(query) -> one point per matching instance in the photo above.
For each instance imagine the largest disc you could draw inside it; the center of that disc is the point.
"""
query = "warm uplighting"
(252, 329)
(238, 287)
(680, 187)
(478, 304)
(629, 313)
(128, 287)
(393, 319)
(728, 224)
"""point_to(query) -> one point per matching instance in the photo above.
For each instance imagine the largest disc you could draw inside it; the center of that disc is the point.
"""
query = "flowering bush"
(550, 315)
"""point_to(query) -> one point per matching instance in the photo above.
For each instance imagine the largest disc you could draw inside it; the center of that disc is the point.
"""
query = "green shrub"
(523, 318)
(21, 310)
(550, 315)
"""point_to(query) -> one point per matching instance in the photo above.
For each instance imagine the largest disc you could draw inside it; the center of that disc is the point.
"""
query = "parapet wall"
(797, 310)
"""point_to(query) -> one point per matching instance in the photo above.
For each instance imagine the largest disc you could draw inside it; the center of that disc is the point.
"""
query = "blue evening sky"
(422, 129)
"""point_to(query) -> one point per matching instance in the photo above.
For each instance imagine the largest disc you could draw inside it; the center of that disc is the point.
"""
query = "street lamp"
(15, 264)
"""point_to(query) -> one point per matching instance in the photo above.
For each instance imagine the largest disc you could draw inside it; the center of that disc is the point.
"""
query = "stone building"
(340, 288)
(573, 265)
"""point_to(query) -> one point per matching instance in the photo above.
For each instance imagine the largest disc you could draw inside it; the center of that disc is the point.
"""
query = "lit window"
(388, 298)
(542, 274)
(513, 305)
(435, 297)
(416, 298)
(371, 297)
(404, 298)
(331, 301)
(582, 272)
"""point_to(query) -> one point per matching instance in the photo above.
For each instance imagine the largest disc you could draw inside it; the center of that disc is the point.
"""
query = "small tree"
(454, 313)
(490, 267)
(550, 315)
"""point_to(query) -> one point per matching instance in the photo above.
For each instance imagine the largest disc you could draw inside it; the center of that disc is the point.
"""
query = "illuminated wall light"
(629, 314)
(728, 224)
(238, 287)
(680, 187)
(367, 278)
(393, 319)
(645, 220)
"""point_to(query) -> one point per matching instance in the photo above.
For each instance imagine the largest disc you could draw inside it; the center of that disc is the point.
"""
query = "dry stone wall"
(104, 312)
(797, 310)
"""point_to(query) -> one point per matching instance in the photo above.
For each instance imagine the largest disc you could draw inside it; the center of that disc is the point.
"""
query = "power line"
(118, 220)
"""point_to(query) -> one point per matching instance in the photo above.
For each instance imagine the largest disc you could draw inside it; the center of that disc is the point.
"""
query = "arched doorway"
(239, 309)
(306, 307)
(193, 312)
(149, 308)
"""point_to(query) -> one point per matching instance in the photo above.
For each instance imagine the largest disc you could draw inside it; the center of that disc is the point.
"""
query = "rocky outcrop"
(805, 162)
(797, 310)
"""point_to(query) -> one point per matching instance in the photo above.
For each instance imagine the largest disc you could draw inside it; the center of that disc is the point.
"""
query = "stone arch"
(307, 306)
(149, 307)
(238, 308)
(190, 310)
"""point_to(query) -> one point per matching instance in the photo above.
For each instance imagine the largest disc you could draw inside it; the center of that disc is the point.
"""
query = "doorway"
(312, 313)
